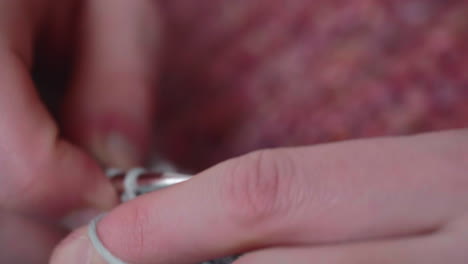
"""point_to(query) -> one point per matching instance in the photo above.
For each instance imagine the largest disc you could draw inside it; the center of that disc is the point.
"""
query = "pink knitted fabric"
(249, 74)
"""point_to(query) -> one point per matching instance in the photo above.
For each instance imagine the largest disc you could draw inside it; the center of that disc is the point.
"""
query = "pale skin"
(393, 200)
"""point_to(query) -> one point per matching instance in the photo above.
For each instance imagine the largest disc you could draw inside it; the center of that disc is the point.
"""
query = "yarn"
(132, 190)
(97, 244)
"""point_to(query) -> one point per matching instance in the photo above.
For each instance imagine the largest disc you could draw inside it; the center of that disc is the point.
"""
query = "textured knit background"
(248, 74)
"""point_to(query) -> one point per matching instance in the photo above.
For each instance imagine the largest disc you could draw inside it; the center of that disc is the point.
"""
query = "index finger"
(326, 194)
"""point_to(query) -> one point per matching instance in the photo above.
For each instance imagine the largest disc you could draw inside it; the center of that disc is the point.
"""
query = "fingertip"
(114, 127)
(114, 137)
(111, 105)
(115, 150)
(76, 182)
(99, 194)
(103, 196)
(76, 249)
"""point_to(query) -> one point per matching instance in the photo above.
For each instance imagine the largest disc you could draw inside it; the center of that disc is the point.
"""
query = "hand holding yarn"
(402, 200)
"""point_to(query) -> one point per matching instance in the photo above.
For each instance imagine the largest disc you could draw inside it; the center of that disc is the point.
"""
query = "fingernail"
(80, 218)
(115, 150)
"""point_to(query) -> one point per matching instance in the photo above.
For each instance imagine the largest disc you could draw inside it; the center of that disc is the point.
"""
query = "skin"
(36, 153)
(389, 200)
(335, 203)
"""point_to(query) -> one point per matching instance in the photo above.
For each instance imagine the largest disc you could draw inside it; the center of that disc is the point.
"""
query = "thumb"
(110, 108)
(41, 174)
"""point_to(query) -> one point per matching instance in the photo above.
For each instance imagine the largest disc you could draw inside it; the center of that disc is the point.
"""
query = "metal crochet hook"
(140, 181)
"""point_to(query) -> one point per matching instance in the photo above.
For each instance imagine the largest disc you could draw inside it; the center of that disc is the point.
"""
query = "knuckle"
(258, 186)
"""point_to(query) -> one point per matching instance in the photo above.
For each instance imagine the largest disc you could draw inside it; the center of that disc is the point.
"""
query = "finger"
(444, 247)
(324, 194)
(26, 242)
(111, 105)
(41, 174)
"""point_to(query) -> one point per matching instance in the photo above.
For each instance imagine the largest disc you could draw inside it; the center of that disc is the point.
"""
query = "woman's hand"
(395, 200)
(25, 241)
(107, 110)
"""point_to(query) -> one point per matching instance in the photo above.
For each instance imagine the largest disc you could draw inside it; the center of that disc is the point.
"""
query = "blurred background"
(250, 74)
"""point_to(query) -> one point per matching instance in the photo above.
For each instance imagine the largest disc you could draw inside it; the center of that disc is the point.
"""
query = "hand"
(107, 110)
(24, 241)
(394, 200)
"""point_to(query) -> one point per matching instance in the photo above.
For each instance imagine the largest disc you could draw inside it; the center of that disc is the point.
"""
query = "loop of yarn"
(98, 246)
(131, 190)
(131, 184)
